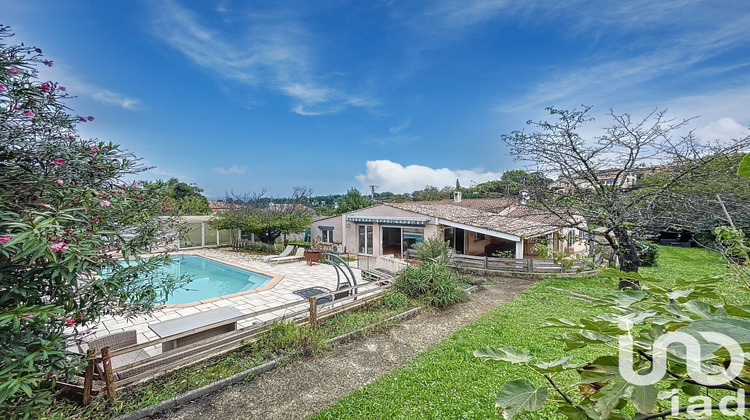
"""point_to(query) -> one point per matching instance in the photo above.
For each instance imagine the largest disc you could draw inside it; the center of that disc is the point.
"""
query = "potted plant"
(314, 252)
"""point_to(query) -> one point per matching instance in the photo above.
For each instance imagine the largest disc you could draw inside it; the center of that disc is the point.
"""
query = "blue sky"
(243, 96)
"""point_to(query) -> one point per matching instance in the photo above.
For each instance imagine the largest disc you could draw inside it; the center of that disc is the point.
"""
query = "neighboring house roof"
(216, 206)
(494, 205)
(517, 220)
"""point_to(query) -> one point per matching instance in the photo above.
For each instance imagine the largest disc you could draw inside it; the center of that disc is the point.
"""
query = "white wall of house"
(346, 231)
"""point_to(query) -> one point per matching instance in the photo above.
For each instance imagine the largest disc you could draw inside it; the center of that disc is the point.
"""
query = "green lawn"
(448, 382)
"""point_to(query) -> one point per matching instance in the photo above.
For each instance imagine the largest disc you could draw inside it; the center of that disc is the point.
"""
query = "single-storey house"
(484, 227)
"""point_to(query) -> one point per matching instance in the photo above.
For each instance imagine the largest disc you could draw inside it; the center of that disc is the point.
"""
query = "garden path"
(307, 386)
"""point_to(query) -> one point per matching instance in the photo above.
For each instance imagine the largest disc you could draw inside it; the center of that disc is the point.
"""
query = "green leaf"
(739, 311)
(573, 412)
(609, 397)
(557, 365)
(744, 169)
(519, 396)
(700, 309)
(644, 398)
(505, 354)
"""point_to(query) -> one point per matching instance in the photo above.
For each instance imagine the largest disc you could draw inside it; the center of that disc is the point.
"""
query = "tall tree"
(510, 184)
(353, 200)
(180, 198)
(430, 193)
(66, 217)
(594, 174)
(700, 210)
(265, 218)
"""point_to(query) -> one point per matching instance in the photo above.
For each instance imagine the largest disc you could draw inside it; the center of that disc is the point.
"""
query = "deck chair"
(96, 368)
(285, 253)
(114, 342)
(298, 255)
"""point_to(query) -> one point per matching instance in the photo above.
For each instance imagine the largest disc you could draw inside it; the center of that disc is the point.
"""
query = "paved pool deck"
(296, 276)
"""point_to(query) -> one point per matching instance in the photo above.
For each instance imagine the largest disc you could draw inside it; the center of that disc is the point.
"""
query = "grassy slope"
(448, 382)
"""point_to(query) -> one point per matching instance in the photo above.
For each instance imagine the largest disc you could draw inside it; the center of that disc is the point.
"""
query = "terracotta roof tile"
(487, 214)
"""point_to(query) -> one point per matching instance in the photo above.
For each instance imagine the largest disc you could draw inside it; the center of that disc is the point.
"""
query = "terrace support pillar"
(519, 249)
(203, 234)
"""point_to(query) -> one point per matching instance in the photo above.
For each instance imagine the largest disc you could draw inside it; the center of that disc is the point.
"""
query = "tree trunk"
(629, 259)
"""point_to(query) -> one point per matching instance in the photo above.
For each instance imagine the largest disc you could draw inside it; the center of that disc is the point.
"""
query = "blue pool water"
(210, 279)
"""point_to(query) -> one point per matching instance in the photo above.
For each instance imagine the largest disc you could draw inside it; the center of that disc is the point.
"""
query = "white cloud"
(394, 177)
(76, 87)
(400, 127)
(156, 173)
(275, 53)
(231, 170)
(722, 129)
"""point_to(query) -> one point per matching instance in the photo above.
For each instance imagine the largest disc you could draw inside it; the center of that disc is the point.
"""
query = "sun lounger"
(298, 255)
(117, 341)
(285, 253)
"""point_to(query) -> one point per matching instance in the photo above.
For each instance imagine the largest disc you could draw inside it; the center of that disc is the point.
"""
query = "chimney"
(524, 196)
(457, 197)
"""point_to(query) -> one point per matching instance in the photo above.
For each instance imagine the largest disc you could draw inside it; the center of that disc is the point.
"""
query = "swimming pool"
(210, 279)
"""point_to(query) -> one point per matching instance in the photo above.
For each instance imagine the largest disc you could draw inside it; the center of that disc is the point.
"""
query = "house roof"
(493, 214)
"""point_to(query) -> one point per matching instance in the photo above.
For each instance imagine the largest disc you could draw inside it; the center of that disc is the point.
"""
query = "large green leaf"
(644, 398)
(744, 169)
(573, 412)
(505, 354)
(609, 397)
(519, 396)
(702, 309)
(557, 365)
(739, 311)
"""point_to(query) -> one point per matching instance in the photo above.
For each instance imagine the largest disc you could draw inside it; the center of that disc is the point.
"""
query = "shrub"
(433, 250)
(261, 247)
(66, 216)
(649, 254)
(395, 300)
(435, 284)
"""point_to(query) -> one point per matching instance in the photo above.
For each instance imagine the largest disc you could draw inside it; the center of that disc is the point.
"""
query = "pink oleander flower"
(62, 88)
(70, 322)
(45, 87)
(105, 203)
(59, 246)
(5, 239)
(45, 205)
(58, 161)
(90, 118)
(14, 71)
(29, 315)
(2, 87)
(14, 107)
(94, 148)
(59, 181)
(51, 376)
(47, 63)
(28, 113)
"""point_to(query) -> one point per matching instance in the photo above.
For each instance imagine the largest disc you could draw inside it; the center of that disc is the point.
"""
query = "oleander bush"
(66, 215)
